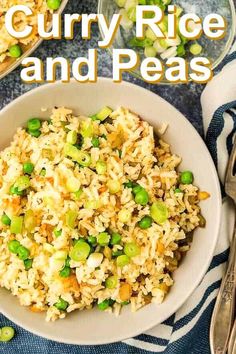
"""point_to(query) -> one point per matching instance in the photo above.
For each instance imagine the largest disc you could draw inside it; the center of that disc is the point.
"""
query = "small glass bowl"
(214, 50)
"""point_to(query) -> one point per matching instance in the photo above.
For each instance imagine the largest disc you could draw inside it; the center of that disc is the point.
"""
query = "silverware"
(232, 341)
(223, 314)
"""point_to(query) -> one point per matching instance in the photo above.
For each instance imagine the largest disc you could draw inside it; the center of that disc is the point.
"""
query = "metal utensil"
(232, 340)
(223, 314)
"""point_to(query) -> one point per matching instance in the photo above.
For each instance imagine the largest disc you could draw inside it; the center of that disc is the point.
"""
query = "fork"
(223, 314)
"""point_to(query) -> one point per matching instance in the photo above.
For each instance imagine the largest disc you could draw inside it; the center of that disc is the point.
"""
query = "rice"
(20, 21)
(128, 148)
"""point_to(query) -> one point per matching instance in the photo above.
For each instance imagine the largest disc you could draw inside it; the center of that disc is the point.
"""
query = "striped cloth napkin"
(187, 331)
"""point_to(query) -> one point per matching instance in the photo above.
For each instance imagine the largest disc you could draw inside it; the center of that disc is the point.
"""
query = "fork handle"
(232, 340)
(223, 314)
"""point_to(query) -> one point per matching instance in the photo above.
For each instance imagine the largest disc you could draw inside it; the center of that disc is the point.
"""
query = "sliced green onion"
(82, 157)
(104, 113)
(6, 334)
(195, 49)
(71, 137)
(80, 251)
(122, 260)
(159, 212)
(30, 220)
(86, 129)
(72, 184)
(111, 282)
(16, 224)
(124, 216)
(43, 172)
(132, 249)
(113, 186)
(22, 183)
(95, 141)
(57, 232)
(71, 216)
(78, 194)
(150, 52)
(150, 34)
(131, 13)
(101, 167)
(120, 3)
(103, 239)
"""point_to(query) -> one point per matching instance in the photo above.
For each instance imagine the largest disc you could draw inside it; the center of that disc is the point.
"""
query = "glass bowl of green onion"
(163, 49)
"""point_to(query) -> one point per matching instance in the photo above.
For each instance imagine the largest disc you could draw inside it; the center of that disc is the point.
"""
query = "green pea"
(92, 240)
(15, 51)
(57, 233)
(15, 190)
(13, 246)
(28, 263)
(65, 272)
(6, 334)
(104, 305)
(34, 124)
(61, 304)
(111, 282)
(103, 239)
(23, 253)
(28, 168)
(117, 253)
(128, 184)
(131, 249)
(67, 262)
(137, 188)
(95, 141)
(34, 133)
(186, 177)
(54, 4)
(115, 238)
(159, 212)
(142, 197)
(122, 260)
(145, 222)
(177, 191)
(124, 303)
(5, 219)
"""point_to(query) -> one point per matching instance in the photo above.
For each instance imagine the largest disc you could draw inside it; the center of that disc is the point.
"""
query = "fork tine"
(230, 179)
(229, 172)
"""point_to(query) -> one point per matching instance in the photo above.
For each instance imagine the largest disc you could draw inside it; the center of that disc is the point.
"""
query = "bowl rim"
(197, 279)
(216, 63)
(30, 50)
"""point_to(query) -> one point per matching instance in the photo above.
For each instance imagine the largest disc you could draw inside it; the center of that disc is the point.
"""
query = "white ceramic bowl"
(96, 327)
